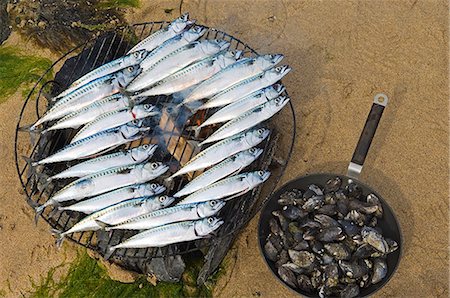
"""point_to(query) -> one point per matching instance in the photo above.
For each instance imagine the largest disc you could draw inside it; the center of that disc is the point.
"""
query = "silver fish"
(246, 87)
(175, 61)
(106, 69)
(228, 188)
(169, 215)
(89, 93)
(89, 113)
(122, 158)
(223, 149)
(193, 74)
(229, 166)
(114, 119)
(171, 233)
(117, 213)
(248, 119)
(173, 44)
(243, 105)
(99, 143)
(231, 75)
(116, 196)
(157, 38)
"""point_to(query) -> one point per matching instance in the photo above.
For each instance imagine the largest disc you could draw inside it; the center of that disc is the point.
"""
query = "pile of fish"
(326, 241)
(111, 106)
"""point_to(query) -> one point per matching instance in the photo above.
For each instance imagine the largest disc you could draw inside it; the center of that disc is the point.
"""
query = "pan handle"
(362, 148)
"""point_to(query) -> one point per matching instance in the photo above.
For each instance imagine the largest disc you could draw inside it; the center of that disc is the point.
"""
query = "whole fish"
(106, 69)
(116, 214)
(89, 93)
(175, 61)
(172, 44)
(89, 113)
(229, 188)
(243, 105)
(122, 158)
(223, 149)
(229, 166)
(116, 196)
(248, 119)
(171, 233)
(99, 143)
(231, 75)
(157, 38)
(114, 119)
(168, 215)
(246, 87)
(193, 74)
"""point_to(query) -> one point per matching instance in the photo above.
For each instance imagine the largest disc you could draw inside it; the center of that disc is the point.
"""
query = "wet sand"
(342, 53)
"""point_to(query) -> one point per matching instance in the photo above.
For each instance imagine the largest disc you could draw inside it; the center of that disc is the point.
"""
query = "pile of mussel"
(325, 241)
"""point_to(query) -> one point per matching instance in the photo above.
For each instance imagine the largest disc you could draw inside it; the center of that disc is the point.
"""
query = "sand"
(342, 53)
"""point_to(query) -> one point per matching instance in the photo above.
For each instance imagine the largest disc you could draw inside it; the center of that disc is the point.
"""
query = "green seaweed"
(118, 3)
(88, 278)
(18, 70)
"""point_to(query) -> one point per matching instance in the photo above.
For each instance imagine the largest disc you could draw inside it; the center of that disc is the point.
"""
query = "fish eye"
(252, 150)
(154, 165)
(210, 220)
(260, 173)
(212, 203)
(145, 146)
(153, 186)
(260, 131)
(130, 68)
(134, 122)
(136, 54)
(162, 198)
(146, 106)
(278, 68)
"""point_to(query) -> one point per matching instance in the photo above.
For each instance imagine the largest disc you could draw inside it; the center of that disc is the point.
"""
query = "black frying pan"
(388, 223)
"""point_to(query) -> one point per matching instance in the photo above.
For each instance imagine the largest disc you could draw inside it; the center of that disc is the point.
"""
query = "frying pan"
(388, 223)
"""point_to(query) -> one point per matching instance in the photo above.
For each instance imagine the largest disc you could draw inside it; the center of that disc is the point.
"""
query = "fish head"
(227, 58)
(209, 208)
(213, 46)
(143, 152)
(256, 178)
(273, 91)
(155, 169)
(136, 100)
(278, 103)
(126, 75)
(256, 136)
(164, 201)
(138, 56)
(276, 73)
(206, 226)
(269, 60)
(145, 110)
(181, 23)
(150, 188)
(131, 128)
(194, 33)
(248, 156)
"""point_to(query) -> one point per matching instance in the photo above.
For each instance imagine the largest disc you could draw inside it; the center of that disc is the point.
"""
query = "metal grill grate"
(94, 53)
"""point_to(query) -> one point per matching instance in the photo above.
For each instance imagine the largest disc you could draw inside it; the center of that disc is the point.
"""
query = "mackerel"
(246, 87)
(231, 75)
(157, 38)
(229, 166)
(248, 119)
(175, 61)
(116, 196)
(223, 149)
(168, 215)
(114, 119)
(229, 188)
(122, 158)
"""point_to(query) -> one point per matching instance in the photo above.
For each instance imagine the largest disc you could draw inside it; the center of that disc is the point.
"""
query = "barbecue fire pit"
(166, 262)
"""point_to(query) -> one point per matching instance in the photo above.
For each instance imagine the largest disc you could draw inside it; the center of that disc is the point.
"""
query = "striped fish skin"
(116, 196)
(170, 215)
(248, 120)
(176, 61)
(233, 74)
(108, 180)
(246, 87)
(172, 233)
(243, 105)
(89, 93)
(193, 74)
(118, 159)
(115, 118)
(228, 187)
(120, 212)
(157, 38)
(229, 166)
(99, 143)
(106, 69)
(173, 44)
(223, 149)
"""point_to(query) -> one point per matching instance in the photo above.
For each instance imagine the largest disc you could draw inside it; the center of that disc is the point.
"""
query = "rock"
(5, 29)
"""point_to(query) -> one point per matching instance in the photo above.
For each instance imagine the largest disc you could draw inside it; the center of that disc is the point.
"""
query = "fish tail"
(40, 209)
(59, 236)
(31, 165)
(110, 251)
(103, 225)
